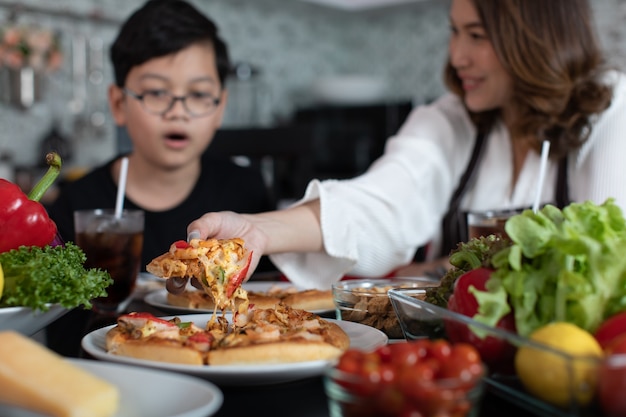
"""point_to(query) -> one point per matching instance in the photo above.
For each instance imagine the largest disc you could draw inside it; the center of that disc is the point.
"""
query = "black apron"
(454, 224)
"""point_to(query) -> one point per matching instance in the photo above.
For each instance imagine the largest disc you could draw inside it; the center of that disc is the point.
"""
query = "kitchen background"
(299, 61)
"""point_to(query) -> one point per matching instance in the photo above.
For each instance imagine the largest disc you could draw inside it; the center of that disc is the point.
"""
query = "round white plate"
(158, 298)
(361, 337)
(148, 392)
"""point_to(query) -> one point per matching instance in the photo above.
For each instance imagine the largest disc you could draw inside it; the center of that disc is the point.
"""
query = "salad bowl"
(421, 319)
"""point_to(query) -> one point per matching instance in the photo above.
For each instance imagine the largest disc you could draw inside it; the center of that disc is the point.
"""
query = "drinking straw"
(545, 150)
(121, 188)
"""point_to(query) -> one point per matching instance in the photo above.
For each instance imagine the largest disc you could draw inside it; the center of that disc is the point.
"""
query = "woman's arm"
(295, 229)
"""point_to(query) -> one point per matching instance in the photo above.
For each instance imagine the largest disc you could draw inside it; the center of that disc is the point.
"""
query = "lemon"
(1, 281)
(560, 379)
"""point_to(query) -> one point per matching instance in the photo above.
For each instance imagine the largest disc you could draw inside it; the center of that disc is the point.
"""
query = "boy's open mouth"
(176, 136)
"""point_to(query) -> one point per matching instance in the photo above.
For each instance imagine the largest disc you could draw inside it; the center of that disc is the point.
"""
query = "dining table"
(299, 398)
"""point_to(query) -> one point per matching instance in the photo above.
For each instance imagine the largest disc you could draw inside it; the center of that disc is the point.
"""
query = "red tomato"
(385, 353)
(440, 350)
(497, 352)
(404, 378)
(350, 361)
(463, 364)
(612, 379)
(406, 354)
(611, 328)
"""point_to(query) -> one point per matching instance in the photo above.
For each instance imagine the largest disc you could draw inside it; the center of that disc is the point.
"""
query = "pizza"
(260, 336)
(310, 300)
(217, 266)
(257, 333)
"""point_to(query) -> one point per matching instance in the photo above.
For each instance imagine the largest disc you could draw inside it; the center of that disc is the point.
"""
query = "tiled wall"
(292, 42)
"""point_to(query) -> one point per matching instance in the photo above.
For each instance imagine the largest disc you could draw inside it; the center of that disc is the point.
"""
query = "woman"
(520, 72)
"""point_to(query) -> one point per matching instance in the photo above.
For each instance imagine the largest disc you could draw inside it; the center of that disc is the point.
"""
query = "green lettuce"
(567, 265)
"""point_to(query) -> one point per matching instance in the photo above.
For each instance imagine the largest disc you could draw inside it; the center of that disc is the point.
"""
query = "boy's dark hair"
(163, 27)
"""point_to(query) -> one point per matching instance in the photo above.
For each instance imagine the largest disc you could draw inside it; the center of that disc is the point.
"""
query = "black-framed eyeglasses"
(160, 102)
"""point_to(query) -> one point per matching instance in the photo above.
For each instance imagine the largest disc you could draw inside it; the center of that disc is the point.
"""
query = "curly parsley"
(38, 276)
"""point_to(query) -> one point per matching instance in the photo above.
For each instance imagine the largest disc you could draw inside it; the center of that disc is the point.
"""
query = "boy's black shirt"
(222, 185)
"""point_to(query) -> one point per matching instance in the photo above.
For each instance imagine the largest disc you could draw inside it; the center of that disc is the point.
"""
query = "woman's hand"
(227, 225)
(296, 229)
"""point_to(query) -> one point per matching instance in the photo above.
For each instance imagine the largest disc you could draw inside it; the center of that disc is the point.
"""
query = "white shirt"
(373, 223)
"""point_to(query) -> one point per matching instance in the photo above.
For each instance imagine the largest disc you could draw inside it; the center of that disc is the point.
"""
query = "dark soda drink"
(487, 223)
(493, 227)
(119, 253)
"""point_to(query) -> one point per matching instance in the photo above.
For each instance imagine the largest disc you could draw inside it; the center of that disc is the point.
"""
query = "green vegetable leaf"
(36, 277)
(475, 253)
(567, 265)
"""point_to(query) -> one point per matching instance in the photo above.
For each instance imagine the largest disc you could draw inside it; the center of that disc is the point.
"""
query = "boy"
(170, 66)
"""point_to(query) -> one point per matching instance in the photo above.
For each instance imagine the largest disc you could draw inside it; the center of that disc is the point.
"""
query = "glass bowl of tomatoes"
(366, 301)
(426, 377)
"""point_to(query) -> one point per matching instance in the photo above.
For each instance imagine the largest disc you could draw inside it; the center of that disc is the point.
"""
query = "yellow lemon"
(1, 281)
(562, 376)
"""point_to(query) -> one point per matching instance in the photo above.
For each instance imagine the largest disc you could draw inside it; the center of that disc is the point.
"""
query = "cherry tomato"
(405, 379)
(612, 379)
(350, 361)
(463, 364)
(440, 350)
(385, 353)
(406, 354)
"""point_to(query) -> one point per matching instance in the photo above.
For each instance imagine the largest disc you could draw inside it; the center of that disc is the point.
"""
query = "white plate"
(28, 321)
(148, 392)
(361, 337)
(158, 298)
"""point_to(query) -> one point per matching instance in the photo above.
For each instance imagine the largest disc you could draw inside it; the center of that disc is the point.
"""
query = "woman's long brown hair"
(550, 50)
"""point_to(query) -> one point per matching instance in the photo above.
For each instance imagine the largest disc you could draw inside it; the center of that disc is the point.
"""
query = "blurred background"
(335, 77)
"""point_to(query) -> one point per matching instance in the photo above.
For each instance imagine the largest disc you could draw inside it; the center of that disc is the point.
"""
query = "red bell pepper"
(494, 351)
(23, 220)
(237, 279)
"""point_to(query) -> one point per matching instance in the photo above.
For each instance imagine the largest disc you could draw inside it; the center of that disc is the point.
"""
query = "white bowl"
(28, 321)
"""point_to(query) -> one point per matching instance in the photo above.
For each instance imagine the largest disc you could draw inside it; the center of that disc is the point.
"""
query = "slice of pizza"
(200, 300)
(279, 335)
(310, 300)
(144, 336)
(260, 336)
(218, 265)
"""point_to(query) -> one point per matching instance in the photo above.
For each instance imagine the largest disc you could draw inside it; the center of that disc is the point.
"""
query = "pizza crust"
(308, 300)
(200, 300)
(279, 352)
(154, 349)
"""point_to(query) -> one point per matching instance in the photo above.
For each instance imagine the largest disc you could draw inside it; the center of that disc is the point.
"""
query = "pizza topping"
(142, 335)
(200, 341)
(181, 244)
(219, 265)
(141, 325)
